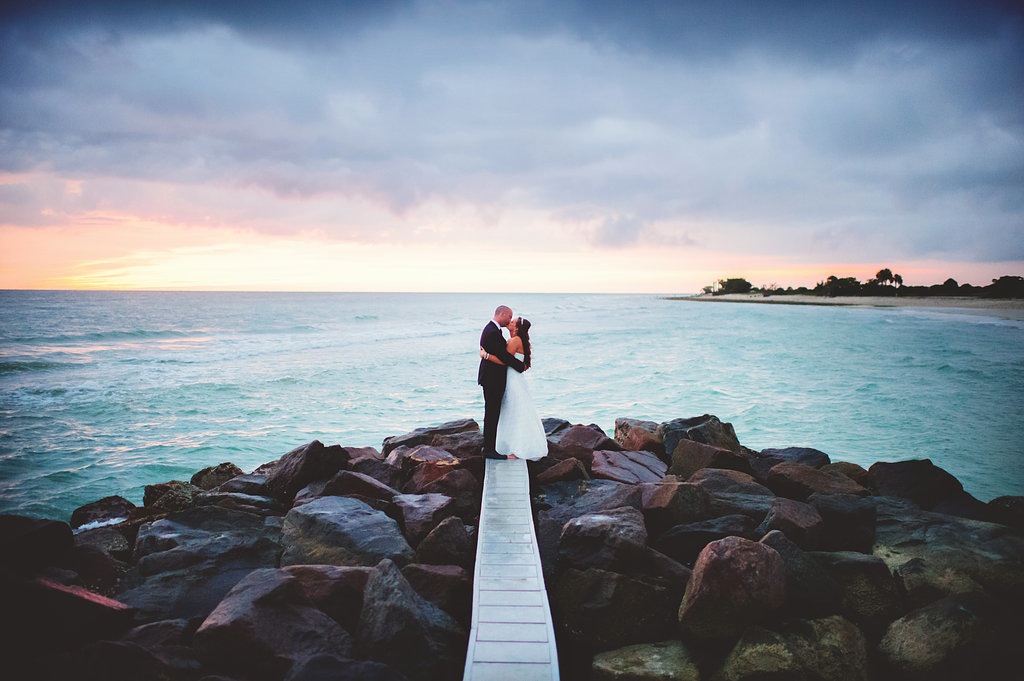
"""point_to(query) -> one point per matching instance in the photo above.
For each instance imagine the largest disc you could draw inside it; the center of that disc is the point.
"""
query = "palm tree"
(884, 276)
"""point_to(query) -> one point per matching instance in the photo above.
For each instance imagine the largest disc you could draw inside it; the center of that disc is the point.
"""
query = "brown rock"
(421, 513)
(799, 521)
(449, 587)
(918, 480)
(580, 442)
(303, 465)
(673, 503)
(566, 469)
(735, 584)
(636, 435)
(690, 456)
(214, 476)
(464, 490)
(799, 481)
(631, 467)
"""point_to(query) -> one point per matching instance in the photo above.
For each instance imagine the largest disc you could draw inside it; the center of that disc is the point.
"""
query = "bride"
(520, 433)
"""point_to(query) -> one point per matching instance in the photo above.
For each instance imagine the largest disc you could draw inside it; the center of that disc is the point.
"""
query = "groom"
(492, 376)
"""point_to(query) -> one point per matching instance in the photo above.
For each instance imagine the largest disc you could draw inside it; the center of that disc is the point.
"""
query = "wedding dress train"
(520, 430)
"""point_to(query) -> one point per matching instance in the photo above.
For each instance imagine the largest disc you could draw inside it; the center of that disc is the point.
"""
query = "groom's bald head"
(503, 315)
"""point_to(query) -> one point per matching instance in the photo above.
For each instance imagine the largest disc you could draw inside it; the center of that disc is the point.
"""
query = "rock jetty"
(670, 551)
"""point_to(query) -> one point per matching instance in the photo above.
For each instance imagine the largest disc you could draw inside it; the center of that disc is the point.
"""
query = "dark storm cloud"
(862, 130)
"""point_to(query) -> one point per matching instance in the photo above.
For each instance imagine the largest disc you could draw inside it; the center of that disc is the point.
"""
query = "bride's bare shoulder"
(515, 344)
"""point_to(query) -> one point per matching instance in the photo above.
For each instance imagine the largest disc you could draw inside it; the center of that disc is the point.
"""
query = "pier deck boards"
(512, 636)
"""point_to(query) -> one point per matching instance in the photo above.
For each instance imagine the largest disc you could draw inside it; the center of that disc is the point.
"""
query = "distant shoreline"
(1000, 308)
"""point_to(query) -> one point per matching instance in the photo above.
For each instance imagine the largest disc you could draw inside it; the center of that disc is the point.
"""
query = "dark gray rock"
(341, 531)
(264, 625)
(613, 540)
(763, 461)
(811, 592)
(707, 429)
(799, 521)
(400, 627)
(425, 436)
(683, 543)
(188, 561)
(303, 465)
(736, 583)
(871, 598)
(337, 591)
(849, 522)
(918, 480)
(335, 668)
(106, 510)
(447, 544)
(214, 476)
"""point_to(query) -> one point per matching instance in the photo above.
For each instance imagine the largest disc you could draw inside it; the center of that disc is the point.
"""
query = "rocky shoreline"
(670, 551)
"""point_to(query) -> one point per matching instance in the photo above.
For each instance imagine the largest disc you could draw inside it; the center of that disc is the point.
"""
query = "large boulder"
(463, 488)
(421, 465)
(168, 497)
(337, 591)
(706, 429)
(251, 483)
(580, 442)
(691, 456)
(105, 511)
(303, 465)
(250, 503)
(918, 480)
(766, 459)
(661, 661)
(212, 477)
(562, 471)
(462, 445)
(812, 592)
(186, 563)
(405, 630)
(341, 531)
(635, 435)
(849, 522)
(957, 637)
(612, 540)
(425, 436)
(560, 502)
(631, 467)
(421, 513)
(953, 554)
(29, 544)
(731, 492)
(666, 504)
(736, 583)
(449, 587)
(264, 625)
(801, 522)
(684, 542)
(598, 610)
(870, 598)
(447, 544)
(830, 648)
(799, 481)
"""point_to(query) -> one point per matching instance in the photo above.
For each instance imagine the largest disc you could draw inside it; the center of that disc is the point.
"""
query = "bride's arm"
(490, 358)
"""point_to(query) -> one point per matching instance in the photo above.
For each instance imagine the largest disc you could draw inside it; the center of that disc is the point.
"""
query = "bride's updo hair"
(523, 331)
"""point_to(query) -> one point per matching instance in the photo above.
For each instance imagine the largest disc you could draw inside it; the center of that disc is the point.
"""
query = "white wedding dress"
(520, 431)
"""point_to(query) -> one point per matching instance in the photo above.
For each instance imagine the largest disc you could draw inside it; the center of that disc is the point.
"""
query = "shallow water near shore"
(103, 392)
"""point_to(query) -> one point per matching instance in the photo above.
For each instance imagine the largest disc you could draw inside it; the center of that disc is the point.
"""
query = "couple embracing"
(512, 428)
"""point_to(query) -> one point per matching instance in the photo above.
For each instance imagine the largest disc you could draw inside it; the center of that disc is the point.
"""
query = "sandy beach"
(999, 308)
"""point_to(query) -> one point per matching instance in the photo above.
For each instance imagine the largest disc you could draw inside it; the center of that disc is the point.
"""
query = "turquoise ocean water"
(102, 393)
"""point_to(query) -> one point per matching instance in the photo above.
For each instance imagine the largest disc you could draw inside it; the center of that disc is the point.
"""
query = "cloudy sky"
(508, 146)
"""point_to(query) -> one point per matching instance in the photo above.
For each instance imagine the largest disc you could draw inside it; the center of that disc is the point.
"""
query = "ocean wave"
(104, 336)
(13, 366)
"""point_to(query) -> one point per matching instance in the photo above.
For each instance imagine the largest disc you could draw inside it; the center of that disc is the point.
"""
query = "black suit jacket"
(491, 374)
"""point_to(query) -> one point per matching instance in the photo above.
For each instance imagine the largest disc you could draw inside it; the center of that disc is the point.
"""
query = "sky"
(449, 145)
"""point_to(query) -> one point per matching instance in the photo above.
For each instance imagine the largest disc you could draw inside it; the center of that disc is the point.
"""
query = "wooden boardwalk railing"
(511, 637)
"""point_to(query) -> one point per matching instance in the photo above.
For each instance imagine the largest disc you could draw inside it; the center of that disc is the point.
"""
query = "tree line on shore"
(884, 283)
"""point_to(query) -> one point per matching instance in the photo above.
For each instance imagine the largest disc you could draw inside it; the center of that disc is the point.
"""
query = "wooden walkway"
(511, 637)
